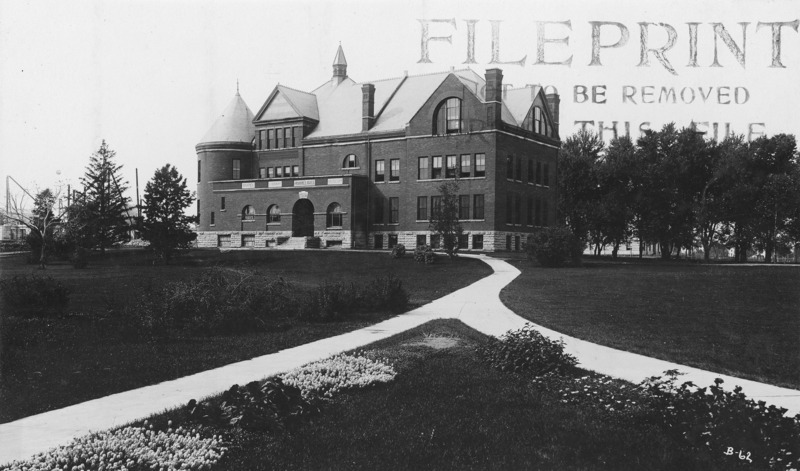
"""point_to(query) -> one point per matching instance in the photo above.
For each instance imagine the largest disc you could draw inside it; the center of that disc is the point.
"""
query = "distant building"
(357, 165)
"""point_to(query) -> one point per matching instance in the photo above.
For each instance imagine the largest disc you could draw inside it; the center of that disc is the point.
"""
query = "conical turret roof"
(339, 59)
(235, 124)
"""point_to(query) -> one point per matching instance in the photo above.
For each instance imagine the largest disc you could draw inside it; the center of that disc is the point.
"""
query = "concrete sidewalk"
(478, 305)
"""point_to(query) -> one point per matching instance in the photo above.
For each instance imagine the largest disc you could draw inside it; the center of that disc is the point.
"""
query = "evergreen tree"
(165, 225)
(106, 206)
(445, 220)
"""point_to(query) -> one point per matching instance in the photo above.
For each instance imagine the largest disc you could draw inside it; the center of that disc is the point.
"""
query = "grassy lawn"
(447, 410)
(743, 321)
(51, 363)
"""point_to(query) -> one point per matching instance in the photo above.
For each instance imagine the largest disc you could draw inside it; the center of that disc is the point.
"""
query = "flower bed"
(130, 448)
(327, 377)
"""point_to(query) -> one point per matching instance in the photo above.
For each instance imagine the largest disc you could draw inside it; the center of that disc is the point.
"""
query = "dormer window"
(350, 161)
(448, 117)
(537, 122)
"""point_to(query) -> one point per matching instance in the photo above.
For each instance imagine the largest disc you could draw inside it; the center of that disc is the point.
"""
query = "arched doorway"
(303, 218)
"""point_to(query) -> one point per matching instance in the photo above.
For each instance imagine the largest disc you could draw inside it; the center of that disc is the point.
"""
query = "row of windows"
(537, 121)
(538, 172)
(394, 170)
(435, 241)
(465, 209)
(278, 172)
(333, 217)
(451, 166)
(537, 214)
(278, 138)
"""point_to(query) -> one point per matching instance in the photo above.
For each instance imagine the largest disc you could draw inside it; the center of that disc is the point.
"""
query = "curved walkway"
(478, 305)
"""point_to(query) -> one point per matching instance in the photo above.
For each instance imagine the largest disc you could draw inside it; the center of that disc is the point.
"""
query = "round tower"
(229, 139)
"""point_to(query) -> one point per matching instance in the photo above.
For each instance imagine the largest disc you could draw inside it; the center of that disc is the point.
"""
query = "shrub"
(130, 448)
(328, 377)
(216, 301)
(552, 246)
(34, 295)
(334, 301)
(398, 251)
(424, 254)
(526, 350)
(267, 406)
(721, 421)
(80, 257)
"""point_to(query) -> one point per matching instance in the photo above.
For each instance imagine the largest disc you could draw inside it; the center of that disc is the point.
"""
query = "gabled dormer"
(286, 117)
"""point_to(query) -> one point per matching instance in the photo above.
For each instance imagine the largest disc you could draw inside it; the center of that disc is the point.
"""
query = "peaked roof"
(339, 59)
(285, 102)
(234, 125)
(337, 104)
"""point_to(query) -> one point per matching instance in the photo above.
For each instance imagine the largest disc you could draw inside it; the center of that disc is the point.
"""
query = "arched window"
(537, 122)
(334, 216)
(274, 213)
(248, 213)
(350, 161)
(448, 117)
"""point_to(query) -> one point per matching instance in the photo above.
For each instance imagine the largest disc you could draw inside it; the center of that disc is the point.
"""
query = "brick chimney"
(494, 97)
(367, 106)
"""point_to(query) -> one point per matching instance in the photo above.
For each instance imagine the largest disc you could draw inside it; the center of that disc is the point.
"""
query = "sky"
(150, 77)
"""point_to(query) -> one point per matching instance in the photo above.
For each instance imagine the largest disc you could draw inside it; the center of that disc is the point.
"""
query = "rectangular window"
(509, 208)
(546, 175)
(287, 171)
(212, 218)
(437, 167)
(477, 242)
(270, 138)
(530, 171)
(529, 218)
(436, 240)
(422, 208)
(508, 242)
(463, 241)
(289, 135)
(545, 211)
(538, 173)
(262, 172)
(463, 207)
(279, 134)
(519, 169)
(279, 172)
(198, 171)
(517, 209)
(248, 240)
(270, 172)
(480, 165)
(224, 240)
(222, 203)
(516, 243)
(295, 170)
(237, 170)
(478, 210)
(422, 169)
(296, 136)
(510, 167)
(451, 167)
(264, 140)
(537, 215)
(379, 210)
(198, 211)
(421, 239)
(394, 210)
(380, 171)
(466, 165)
(394, 170)
(392, 240)
(436, 206)
(379, 241)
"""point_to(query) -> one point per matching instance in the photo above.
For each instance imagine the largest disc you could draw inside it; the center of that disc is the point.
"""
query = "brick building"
(357, 165)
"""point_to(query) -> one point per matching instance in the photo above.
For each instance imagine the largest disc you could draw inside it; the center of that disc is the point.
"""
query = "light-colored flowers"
(328, 377)
(130, 447)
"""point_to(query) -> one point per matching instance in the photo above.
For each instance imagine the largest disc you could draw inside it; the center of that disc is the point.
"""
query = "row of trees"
(101, 216)
(677, 190)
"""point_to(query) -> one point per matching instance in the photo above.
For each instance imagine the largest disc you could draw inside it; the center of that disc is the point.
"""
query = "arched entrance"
(303, 218)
